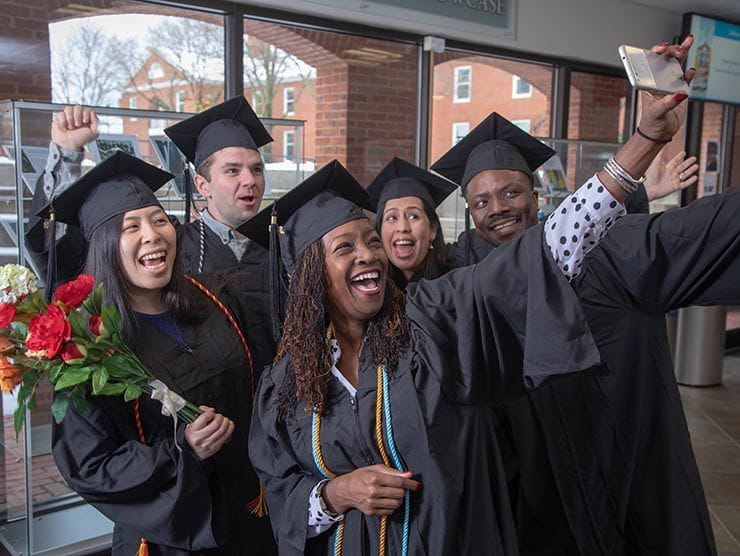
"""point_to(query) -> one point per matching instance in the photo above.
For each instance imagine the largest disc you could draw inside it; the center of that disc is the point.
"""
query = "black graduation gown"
(181, 505)
(71, 245)
(252, 275)
(525, 329)
(618, 444)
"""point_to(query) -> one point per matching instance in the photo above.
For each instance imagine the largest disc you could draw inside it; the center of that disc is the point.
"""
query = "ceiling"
(727, 9)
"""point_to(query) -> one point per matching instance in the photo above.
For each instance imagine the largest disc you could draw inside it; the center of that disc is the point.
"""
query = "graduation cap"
(494, 144)
(402, 179)
(230, 124)
(325, 200)
(117, 185)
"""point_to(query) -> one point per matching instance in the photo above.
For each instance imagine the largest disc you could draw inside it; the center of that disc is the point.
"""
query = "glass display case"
(38, 512)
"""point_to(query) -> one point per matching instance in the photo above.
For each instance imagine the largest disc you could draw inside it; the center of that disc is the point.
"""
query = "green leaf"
(31, 404)
(99, 379)
(34, 303)
(19, 418)
(131, 393)
(78, 323)
(59, 406)
(20, 331)
(54, 372)
(71, 377)
(112, 320)
(112, 389)
(77, 396)
(23, 392)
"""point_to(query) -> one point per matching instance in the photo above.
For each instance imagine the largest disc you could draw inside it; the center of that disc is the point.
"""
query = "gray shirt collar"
(219, 228)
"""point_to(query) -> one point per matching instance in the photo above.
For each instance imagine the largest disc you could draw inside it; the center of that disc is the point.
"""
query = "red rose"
(97, 327)
(7, 314)
(10, 375)
(73, 353)
(47, 332)
(74, 292)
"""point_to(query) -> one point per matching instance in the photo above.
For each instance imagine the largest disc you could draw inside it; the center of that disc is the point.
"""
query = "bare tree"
(194, 52)
(82, 72)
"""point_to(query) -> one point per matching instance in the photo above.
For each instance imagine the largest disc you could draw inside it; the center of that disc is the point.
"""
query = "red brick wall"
(25, 68)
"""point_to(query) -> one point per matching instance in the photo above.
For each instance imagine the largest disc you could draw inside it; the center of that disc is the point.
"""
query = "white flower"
(16, 282)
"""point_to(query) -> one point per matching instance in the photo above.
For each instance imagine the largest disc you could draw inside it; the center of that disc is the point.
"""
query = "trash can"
(700, 346)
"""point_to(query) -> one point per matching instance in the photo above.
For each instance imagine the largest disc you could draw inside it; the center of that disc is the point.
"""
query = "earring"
(431, 246)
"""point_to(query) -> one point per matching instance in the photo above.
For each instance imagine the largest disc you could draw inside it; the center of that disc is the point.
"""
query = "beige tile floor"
(713, 415)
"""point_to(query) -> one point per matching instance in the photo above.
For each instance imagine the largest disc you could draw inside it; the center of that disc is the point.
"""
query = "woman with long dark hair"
(373, 430)
(406, 198)
(176, 492)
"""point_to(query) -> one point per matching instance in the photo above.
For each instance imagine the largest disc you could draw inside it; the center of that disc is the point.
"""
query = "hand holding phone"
(650, 71)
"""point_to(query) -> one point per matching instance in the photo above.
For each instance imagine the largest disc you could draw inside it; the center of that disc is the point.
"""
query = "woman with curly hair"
(372, 394)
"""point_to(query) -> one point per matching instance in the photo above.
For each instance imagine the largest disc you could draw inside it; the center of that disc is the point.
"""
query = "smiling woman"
(194, 487)
(372, 393)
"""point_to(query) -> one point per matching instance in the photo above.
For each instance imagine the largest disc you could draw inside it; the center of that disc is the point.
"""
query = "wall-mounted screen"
(716, 56)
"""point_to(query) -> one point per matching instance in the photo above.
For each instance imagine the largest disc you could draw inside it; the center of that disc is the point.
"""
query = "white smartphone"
(650, 71)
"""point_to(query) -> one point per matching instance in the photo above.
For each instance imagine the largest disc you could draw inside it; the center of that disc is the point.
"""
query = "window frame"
(287, 112)
(456, 99)
(289, 133)
(515, 81)
(454, 141)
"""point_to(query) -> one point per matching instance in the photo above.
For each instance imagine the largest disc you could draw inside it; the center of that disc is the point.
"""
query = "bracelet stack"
(622, 177)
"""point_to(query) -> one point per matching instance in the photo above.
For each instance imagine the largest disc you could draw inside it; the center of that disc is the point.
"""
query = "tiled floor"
(713, 415)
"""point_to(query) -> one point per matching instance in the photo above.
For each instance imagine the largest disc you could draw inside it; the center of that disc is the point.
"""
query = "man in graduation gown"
(605, 462)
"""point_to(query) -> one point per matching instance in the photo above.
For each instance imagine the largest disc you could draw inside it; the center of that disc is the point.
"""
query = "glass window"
(289, 145)
(257, 105)
(289, 101)
(462, 84)
(459, 130)
(133, 103)
(526, 125)
(520, 88)
(493, 91)
(357, 96)
(180, 101)
(104, 57)
(599, 107)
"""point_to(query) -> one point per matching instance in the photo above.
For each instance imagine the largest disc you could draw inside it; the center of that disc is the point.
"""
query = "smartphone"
(650, 71)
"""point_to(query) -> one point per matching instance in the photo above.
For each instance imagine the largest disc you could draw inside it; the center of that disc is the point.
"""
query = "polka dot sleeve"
(319, 519)
(579, 223)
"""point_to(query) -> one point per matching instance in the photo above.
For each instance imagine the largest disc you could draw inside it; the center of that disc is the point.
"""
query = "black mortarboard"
(402, 179)
(326, 199)
(230, 124)
(494, 144)
(117, 185)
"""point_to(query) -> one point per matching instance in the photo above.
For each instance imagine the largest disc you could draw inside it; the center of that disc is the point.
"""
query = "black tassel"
(468, 236)
(188, 193)
(51, 253)
(276, 287)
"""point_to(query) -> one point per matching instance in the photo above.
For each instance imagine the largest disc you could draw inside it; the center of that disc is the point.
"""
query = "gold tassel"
(258, 506)
(143, 548)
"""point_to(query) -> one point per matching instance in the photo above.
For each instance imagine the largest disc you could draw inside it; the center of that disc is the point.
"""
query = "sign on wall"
(489, 12)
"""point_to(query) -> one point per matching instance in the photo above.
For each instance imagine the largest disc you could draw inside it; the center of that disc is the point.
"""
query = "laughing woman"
(180, 492)
(406, 198)
(392, 417)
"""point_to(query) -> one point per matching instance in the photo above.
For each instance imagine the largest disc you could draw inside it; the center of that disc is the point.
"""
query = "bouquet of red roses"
(74, 341)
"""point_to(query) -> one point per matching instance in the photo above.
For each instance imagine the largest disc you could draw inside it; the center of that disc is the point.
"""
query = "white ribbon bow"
(171, 403)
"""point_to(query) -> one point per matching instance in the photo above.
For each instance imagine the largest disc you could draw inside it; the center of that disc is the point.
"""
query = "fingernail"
(680, 97)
